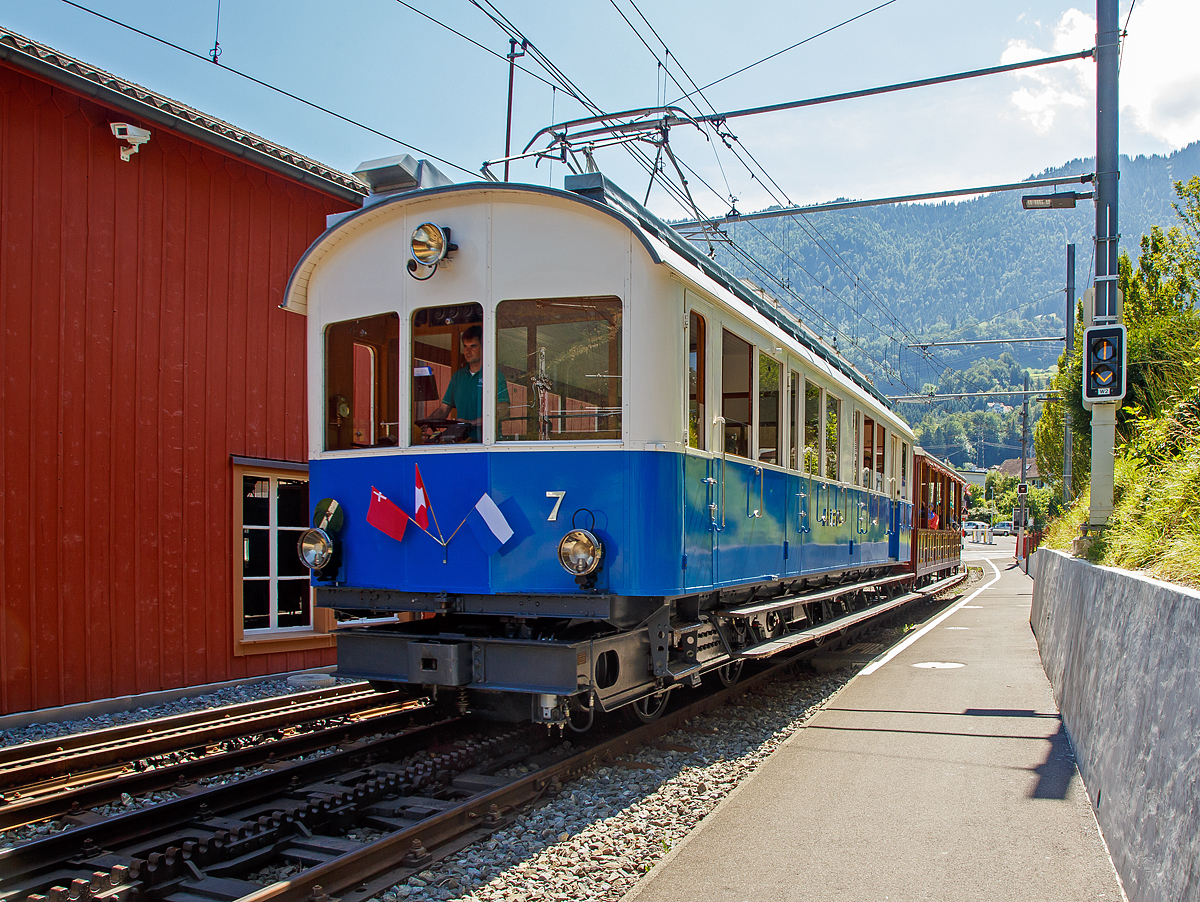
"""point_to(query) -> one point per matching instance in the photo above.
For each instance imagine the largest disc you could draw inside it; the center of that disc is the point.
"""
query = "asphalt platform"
(940, 772)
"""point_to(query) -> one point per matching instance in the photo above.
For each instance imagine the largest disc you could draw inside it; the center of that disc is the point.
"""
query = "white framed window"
(275, 584)
(273, 607)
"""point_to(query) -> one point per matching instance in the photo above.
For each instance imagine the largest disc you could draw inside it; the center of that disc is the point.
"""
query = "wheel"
(771, 626)
(730, 673)
(650, 708)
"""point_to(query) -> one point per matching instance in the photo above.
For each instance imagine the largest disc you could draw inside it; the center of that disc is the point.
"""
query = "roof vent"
(587, 184)
(392, 175)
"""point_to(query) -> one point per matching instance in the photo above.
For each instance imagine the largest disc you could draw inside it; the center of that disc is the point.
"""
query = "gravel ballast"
(594, 841)
(610, 827)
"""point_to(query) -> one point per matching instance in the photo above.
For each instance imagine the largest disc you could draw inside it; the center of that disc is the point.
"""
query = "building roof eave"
(148, 106)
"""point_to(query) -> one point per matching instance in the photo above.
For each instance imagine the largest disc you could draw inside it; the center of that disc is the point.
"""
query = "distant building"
(154, 455)
(973, 476)
(1012, 467)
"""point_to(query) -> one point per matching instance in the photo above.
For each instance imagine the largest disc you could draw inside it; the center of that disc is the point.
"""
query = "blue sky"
(385, 65)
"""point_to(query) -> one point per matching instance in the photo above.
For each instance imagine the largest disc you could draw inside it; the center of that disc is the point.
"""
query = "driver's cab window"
(447, 374)
(362, 366)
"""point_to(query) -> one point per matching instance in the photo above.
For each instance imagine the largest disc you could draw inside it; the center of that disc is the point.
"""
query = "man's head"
(472, 347)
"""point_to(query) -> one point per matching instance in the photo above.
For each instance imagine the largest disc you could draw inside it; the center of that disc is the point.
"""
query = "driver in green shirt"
(464, 394)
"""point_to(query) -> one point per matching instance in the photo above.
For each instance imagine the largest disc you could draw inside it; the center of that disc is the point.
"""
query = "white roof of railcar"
(663, 244)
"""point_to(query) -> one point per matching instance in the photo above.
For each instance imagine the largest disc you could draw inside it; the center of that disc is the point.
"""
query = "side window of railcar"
(794, 420)
(697, 373)
(561, 360)
(904, 469)
(833, 409)
(868, 451)
(770, 431)
(735, 393)
(362, 372)
(880, 447)
(857, 433)
(812, 429)
(447, 375)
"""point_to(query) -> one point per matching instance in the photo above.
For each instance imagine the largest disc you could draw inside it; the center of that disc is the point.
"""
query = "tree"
(1163, 340)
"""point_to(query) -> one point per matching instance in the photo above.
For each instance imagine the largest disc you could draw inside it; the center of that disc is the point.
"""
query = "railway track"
(62, 777)
(425, 791)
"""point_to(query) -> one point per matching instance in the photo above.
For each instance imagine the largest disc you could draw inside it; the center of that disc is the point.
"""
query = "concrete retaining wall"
(1123, 654)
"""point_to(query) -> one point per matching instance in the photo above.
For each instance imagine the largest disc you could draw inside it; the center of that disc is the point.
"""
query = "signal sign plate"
(1104, 363)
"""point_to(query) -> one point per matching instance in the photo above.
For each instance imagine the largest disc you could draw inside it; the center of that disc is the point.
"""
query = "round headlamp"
(315, 548)
(429, 244)
(580, 552)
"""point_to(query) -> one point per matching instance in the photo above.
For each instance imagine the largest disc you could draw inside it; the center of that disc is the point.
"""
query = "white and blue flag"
(489, 525)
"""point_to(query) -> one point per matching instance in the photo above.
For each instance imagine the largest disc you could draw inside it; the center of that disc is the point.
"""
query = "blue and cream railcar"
(587, 463)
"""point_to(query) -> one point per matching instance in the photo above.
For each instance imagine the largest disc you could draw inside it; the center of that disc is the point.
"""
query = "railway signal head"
(1104, 363)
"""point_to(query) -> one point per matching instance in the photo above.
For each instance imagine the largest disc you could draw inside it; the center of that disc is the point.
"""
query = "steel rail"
(78, 795)
(145, 823)
(388, 854)
(140, 728)
(164, 737)
(229, 809)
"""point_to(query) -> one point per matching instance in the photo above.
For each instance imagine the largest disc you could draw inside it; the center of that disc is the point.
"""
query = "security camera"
(131, 133)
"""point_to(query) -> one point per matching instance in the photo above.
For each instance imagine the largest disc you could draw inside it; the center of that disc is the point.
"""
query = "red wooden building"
(154, 438)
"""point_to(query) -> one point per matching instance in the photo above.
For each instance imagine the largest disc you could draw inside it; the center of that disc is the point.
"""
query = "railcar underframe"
(555, 658)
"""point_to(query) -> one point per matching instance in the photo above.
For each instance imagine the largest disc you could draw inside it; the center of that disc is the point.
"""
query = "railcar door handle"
(721, 422)
(752, 515)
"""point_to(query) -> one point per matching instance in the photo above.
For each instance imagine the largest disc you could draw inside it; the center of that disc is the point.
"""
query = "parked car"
(971, 525)
(1003, 529)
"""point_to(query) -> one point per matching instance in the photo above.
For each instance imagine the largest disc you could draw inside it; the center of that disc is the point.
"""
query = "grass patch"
(1155, 524)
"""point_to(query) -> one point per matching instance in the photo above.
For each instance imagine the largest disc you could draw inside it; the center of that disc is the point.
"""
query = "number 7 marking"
(557, 504)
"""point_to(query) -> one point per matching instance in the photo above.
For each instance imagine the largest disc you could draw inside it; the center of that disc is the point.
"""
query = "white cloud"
(1160, 75)
(1160, 71)
(1052, 89)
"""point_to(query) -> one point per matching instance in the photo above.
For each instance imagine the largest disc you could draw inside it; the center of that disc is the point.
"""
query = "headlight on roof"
(429, 244)
(580, 552)
(315, 548)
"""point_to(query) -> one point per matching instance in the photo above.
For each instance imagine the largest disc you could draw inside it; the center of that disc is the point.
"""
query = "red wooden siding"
(142, 346)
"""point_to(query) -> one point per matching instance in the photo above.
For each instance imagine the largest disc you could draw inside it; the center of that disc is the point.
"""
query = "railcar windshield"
(561, 361)
(447, 375)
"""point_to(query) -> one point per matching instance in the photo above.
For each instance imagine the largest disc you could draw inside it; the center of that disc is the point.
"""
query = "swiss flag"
(421, 503)
(385, 516)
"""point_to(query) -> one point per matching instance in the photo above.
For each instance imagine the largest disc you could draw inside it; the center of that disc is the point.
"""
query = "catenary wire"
(819, 240)
(269, 86)
(839, 262)
(475, 43)
(797, 44)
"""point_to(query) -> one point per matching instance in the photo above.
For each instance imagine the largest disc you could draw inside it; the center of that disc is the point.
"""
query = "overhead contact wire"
(270, 87)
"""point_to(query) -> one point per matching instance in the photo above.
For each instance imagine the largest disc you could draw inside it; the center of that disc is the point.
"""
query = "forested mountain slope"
(887, 276)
